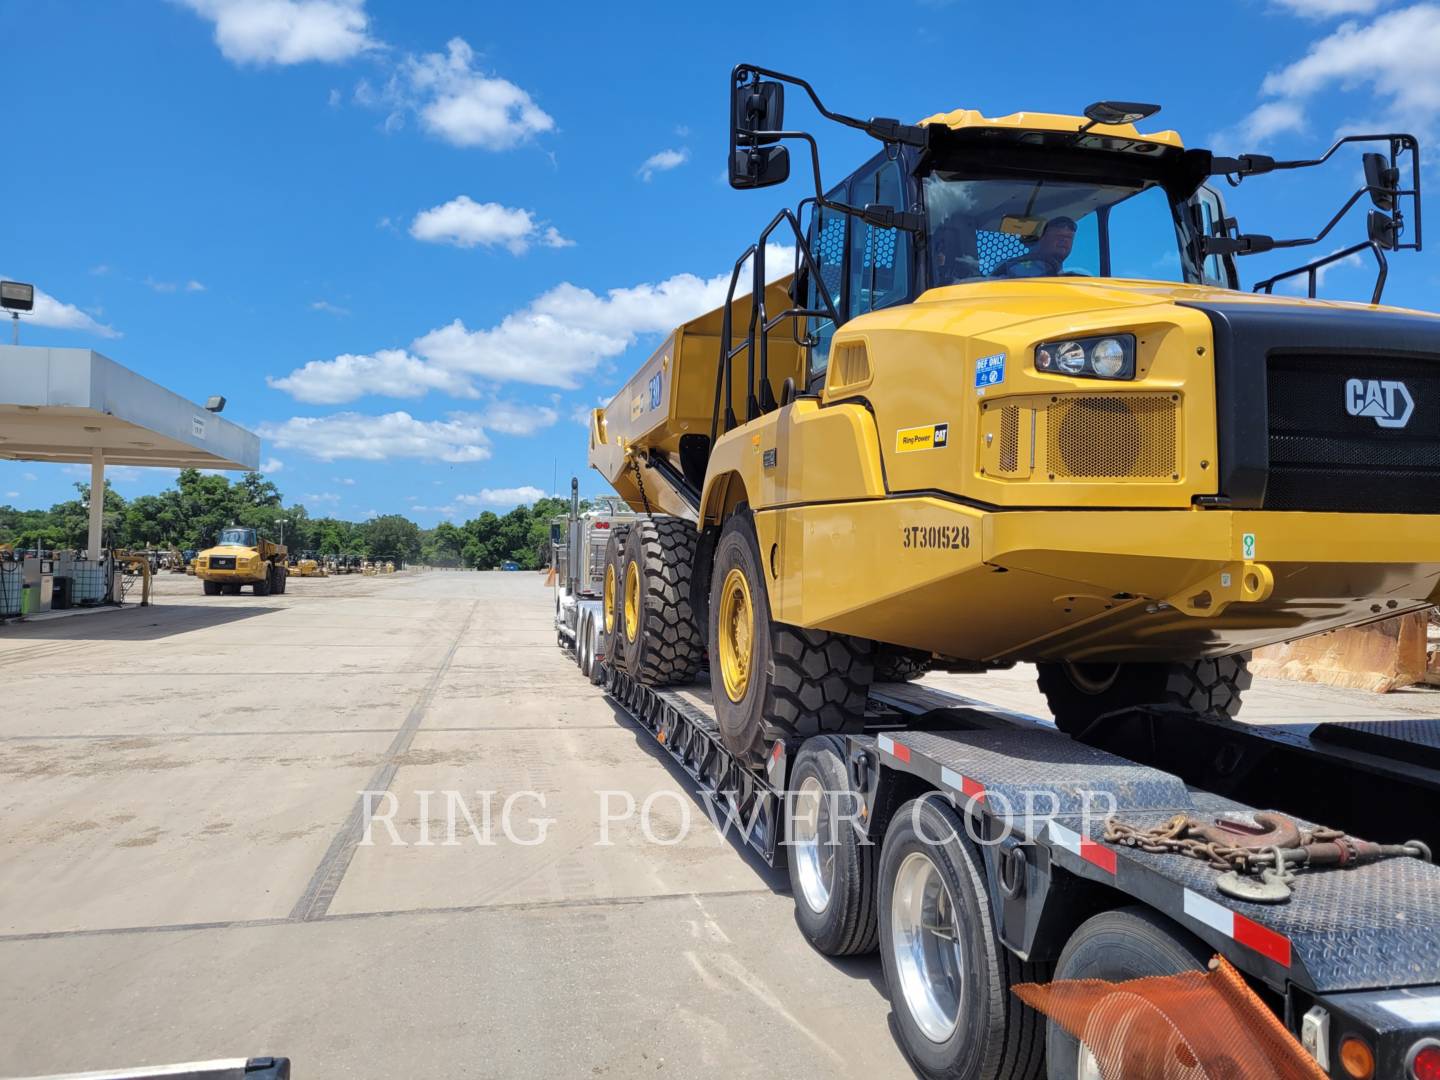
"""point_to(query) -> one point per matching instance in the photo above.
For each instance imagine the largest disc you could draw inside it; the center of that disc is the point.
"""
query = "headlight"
(1108, 357)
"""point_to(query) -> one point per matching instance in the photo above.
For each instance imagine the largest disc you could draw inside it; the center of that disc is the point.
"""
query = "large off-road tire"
(1116, 946)
(832, 867)
(266, 585)
(282, 579)
(212, 588)
(948, 974)
(612, 597)
(896, 664)
(662, 641)
(1079, 694)
(770, 680)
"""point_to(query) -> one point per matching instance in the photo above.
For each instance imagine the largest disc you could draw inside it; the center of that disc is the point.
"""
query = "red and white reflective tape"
(962, 785)
(1096, 854)
(776, 764)
(899, 751)
(1238, 928)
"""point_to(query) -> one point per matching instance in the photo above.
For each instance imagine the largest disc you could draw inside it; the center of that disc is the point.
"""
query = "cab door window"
(827, 248)
(879, 258)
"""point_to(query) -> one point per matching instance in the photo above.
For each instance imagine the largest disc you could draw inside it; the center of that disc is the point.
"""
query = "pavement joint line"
(315, 901)
(391, 913)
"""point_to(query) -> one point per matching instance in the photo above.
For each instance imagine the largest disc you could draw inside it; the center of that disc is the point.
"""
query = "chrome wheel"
(812, 846)
(929, 955)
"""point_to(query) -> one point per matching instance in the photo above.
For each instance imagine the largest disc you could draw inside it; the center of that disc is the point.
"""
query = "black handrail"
(757, 404)
(1268, 285)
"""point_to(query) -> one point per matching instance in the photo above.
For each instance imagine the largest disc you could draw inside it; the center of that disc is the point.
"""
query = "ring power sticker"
(989, 371)
(925, 437)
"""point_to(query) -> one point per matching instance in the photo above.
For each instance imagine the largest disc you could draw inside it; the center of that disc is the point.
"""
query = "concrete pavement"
(183, 872)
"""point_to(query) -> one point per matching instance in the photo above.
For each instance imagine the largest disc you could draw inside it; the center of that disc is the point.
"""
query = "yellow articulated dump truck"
(242, 558)
(1011, 404)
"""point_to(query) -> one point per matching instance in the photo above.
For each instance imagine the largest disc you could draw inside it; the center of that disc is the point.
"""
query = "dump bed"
(661, 420)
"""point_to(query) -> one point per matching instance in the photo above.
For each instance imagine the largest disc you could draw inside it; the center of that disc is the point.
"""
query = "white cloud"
(323, 497)
(62, 316)
(329, 308)
(28, 476)
(334, 99)
(346, 480)
(194, 286)
(271, 465)
(465, 223)
(458, 438)
(563, 334)
(457, 102)
(502, 496)
(1327, 9)
(1393, 55)
(287, 31)
(581, 414)
(171, 286)
(663, 161)
(389, 372)
(12, 494)
(512, 418)
(555, 340)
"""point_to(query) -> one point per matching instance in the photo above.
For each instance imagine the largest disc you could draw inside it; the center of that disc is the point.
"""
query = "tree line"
(191, 514)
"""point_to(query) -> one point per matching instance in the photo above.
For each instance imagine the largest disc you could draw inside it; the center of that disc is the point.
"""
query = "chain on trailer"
(640, 483)
(1259, 861)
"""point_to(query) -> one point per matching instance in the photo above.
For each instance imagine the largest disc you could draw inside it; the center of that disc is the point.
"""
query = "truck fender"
(700, 576)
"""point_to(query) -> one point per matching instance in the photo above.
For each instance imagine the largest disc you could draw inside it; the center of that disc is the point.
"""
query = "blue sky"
(411, 243)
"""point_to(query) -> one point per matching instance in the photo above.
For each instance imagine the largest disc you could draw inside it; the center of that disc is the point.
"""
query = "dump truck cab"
(1011, 405)
(242, 557)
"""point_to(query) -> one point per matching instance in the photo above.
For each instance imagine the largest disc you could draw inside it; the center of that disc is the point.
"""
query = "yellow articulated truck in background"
(1013, 406)
(242, 558)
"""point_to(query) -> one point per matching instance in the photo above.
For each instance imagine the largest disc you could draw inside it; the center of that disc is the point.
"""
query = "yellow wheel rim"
(609, 601)
(736, 633)
(632, 600)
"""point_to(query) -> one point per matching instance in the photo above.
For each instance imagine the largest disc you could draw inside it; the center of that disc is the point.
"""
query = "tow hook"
(1234, 582)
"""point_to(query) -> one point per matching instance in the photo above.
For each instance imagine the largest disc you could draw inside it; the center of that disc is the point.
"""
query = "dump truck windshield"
(985, 229)
(238, 537)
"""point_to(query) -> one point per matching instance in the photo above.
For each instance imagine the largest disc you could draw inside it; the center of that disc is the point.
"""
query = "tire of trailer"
(1080, 694)
(592, 635)
(662, 643)
(770, 680)
(212, 588)
(832, 867)
(896, 664)
(932, 874)
(1126, 943)
(612, 603)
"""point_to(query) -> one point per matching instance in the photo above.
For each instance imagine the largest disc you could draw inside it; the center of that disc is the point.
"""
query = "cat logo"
(1386, 401)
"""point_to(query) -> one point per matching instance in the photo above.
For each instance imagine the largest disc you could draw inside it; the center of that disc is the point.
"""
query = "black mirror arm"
(1255, 243)
(884, 217)
(879, 127)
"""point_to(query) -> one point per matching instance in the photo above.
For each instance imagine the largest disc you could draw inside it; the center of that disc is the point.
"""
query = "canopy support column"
(97, 501)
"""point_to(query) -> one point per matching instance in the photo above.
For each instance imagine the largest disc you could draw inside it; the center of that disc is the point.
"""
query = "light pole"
(282, 522)
(15, 297)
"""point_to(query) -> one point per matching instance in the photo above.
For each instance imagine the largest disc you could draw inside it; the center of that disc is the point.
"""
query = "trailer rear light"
(602, 524)
(1424, 1060)
(1356, 1057)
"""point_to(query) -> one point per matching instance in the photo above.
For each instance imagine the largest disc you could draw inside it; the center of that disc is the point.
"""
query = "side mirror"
(759, 166)
(1382, 229)
(1379, 174)
(756, 106)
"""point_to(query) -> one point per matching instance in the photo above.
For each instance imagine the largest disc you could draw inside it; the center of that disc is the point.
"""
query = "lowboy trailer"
(968, 895)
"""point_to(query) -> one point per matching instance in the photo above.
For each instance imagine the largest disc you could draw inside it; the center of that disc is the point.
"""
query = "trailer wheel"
(662, 641)
(612, 597)
(1127, 943)
(896, 664)
(948, 975)
(592, 635)
(212, 588)
(832, 867)
(1079, 694)
(584, 653)
(769, 680)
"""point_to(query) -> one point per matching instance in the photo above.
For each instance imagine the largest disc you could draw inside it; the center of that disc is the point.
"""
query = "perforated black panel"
(830, 253)
(995, 247)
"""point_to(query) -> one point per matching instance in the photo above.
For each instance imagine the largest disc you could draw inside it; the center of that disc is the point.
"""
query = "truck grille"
(222, 562)
(1323, 458)
(1113, 437)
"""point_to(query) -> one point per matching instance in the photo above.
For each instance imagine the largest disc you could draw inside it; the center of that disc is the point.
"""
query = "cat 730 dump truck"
(242, 558)
(1012, 405)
